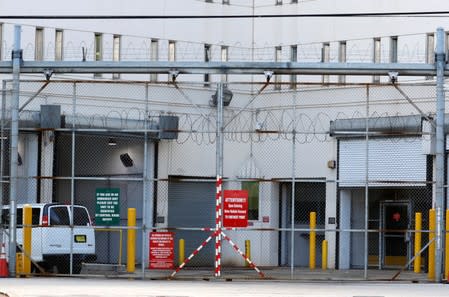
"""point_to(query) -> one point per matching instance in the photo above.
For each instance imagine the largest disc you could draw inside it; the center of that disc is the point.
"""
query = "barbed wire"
(309, 120)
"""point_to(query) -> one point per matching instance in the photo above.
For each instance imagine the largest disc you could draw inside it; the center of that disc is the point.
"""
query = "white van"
(53, 241)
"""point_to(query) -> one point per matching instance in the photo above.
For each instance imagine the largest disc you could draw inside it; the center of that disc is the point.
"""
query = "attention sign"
(235, 208)
(107, 207)
(161, 250)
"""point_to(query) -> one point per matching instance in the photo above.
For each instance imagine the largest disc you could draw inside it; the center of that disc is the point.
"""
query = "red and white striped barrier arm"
(236, 248)
(195, 252)
(219, 183)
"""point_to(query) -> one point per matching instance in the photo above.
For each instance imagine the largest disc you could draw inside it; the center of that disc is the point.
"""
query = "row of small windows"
(224, 55)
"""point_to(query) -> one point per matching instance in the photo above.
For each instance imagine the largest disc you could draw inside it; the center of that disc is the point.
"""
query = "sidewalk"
(270, 273)
(99, 287)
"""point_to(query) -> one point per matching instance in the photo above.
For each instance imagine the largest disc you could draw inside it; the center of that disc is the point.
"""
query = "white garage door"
(391, 161)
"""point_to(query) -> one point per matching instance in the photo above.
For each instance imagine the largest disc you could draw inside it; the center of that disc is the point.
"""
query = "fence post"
(418, 226)
(312, 241)
(431, 272)
(446, 259)
(440, 147)
(16, 62)
(131, 241)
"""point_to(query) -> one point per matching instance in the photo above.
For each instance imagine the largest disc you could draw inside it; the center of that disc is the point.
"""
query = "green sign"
(107, 208)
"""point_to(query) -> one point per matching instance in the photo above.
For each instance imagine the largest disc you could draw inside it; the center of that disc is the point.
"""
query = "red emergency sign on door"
(235, 208)
(161, 250)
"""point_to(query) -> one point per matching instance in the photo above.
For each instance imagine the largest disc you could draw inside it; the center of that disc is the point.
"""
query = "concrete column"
(345, 223)
(331, 223)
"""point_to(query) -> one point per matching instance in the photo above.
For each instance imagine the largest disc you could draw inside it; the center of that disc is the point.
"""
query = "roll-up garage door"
(391, 161)
(192, 205)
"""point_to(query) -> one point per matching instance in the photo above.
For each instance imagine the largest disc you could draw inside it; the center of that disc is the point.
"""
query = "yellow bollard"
(19, 263)
(431, 272)
(27, 223)
(312, 241)
(247, 251)
(418, 228)
(446, 257)
(131, 242)
(181, 251)
(324, 255)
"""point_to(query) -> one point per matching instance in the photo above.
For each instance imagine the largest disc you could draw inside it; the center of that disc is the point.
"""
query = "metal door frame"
(382, 207)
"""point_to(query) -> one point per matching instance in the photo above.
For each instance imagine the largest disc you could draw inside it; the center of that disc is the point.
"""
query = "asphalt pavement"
(96, 287)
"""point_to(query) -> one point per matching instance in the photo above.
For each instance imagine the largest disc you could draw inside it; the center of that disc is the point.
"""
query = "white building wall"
(248, 39)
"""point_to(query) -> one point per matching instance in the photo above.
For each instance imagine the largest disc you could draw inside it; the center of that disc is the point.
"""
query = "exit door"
(394, 241)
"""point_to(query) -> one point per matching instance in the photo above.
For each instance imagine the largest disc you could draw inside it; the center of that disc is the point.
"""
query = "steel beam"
(251, 68)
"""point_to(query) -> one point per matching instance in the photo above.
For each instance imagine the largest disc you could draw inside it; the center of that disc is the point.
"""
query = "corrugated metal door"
(192, 205)
(390, 160)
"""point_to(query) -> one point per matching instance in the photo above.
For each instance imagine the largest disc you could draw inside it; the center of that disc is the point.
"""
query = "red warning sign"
(235, 208)
(161, 250)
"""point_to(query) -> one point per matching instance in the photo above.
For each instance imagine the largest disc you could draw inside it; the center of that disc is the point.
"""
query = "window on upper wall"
(154, 56)
(278, 2)
(394, 49)
(98, 49)
(325, 58)
(293, 58)
(226, 2)
(39, 44)
(116, 42)
(59, 45)
(1, 41)
(277, 58)
(294, 1)
(430, 54)
(171, 51)
(253, 198)
(446, 46)
(376, 57)
(224, 58)
(342, 59)
(207, 58)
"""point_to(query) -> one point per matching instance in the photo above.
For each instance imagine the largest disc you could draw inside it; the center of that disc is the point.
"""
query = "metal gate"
(191, 207)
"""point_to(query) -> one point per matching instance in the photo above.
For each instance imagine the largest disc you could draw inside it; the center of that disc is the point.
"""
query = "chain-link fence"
(311, 181)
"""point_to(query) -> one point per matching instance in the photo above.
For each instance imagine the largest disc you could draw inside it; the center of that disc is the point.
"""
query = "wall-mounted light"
(331, 164)
(112, 141)
(227, 96)
(126, 160)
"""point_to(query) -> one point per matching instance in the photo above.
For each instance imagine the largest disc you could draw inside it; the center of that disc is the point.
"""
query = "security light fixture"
(126, 159)
(227, 96)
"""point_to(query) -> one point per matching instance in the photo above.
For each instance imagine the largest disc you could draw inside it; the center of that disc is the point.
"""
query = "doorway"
(394, 241)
